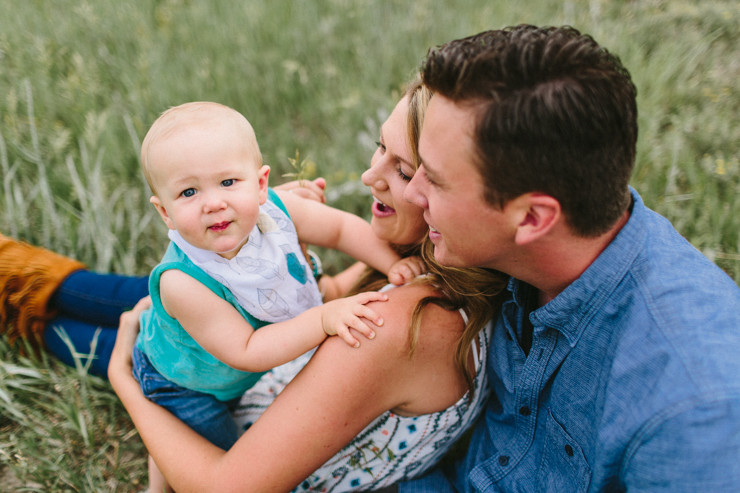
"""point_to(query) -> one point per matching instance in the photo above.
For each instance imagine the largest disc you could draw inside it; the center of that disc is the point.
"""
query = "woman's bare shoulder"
(398, 310)
(402, 379)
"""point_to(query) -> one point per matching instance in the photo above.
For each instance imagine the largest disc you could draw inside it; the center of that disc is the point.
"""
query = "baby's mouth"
(220, 226)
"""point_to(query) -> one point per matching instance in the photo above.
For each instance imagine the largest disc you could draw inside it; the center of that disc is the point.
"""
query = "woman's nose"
(373, 178)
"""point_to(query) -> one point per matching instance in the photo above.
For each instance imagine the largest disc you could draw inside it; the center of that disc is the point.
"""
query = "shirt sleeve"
(695, 449)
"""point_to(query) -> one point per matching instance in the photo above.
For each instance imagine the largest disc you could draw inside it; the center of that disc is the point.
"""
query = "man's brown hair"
(556, 114)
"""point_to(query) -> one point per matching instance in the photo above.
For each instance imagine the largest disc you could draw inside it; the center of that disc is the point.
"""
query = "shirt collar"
(571, 311)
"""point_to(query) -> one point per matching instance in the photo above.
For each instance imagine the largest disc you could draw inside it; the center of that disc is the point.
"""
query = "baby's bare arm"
(221, 330)
(319, 224)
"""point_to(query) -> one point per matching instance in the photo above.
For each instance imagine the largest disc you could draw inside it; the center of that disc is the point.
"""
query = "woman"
(425, 376)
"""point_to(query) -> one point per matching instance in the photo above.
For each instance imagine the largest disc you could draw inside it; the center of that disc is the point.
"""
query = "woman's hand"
(128, 329)
(312, 190)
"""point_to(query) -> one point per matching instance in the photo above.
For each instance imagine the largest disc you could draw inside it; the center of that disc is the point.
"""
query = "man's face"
(465, 229)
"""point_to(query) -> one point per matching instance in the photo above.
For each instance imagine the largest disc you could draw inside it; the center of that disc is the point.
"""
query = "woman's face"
(391, 169)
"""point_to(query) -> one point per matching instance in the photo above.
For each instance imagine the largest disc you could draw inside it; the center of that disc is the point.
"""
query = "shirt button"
(569, 450)
(524, 411)
(503, 460)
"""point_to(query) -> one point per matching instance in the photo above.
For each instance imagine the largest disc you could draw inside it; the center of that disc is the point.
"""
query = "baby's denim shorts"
(205, 414)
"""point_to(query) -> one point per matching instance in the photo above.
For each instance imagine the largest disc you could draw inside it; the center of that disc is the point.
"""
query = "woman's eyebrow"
(406, 161)
(403, 160)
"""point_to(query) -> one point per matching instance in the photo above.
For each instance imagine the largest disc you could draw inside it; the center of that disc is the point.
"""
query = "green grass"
(63, 430)
(80, 82)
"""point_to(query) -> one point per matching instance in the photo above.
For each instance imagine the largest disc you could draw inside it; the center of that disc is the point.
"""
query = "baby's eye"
(228, 183)
(189, 192)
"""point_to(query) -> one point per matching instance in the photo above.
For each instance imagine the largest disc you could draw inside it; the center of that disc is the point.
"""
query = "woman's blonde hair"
(479, 292)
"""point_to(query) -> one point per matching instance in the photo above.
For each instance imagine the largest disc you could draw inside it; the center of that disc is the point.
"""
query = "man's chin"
(442, 256)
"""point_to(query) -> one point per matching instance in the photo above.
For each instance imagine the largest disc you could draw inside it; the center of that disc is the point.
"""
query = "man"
(614, 366)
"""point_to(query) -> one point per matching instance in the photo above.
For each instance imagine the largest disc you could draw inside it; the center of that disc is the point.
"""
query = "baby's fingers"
(362, 311)
(344, 333)
(364, 298)
(418, 266)
(357, 324)
(401, 274)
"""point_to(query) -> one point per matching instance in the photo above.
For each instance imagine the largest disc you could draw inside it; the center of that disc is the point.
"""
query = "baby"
(234, 265)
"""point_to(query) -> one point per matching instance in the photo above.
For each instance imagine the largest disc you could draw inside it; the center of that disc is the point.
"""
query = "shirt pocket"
(563, 467)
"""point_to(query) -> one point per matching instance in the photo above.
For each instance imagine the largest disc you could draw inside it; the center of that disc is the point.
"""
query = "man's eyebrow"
(422, 162)
(431, 174)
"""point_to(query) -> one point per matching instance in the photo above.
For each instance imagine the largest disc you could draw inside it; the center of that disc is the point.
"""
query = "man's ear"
(162, 211)
(262, 175)
(536, 215)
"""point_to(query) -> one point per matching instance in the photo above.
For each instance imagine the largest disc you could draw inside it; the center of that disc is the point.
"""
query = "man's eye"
(228, 183)
(188, 192)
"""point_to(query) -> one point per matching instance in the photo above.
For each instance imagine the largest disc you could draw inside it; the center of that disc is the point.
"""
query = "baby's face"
(208, 187)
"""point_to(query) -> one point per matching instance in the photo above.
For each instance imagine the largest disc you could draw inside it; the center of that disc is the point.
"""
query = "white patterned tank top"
(392, 448)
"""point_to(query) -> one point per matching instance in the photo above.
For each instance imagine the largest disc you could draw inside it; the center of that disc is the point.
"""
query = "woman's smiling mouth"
(381, 210)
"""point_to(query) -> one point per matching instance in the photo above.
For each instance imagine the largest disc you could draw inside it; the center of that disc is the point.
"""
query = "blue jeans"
(87, 301)
(205, 414)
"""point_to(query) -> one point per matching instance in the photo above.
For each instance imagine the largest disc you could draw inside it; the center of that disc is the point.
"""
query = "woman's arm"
(332, 399)
(334, 287)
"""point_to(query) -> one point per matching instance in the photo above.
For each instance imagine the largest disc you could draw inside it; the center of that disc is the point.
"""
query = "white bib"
(269, 277)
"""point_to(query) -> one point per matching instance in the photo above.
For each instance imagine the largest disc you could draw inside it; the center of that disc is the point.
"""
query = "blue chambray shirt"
(632, 382)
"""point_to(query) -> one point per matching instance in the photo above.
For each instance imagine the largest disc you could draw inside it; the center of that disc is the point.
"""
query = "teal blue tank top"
(173, 352)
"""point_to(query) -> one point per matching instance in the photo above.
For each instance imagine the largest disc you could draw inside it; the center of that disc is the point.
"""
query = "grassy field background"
(81, 81)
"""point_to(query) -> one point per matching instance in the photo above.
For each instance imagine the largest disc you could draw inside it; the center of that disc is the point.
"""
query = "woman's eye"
(403, 175)
(381, 147)
(228, 183)
(188, 192)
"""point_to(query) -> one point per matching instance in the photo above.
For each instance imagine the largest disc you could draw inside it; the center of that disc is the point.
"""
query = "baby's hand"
(406, 269)
(338, 316)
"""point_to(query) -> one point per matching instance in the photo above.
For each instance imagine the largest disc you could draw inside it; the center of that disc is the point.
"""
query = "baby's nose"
(213, 202)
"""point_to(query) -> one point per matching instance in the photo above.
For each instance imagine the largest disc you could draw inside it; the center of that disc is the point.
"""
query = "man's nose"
(414, 192)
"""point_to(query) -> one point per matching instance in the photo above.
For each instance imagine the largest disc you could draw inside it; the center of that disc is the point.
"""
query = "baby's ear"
(262, 175)
(162, 212)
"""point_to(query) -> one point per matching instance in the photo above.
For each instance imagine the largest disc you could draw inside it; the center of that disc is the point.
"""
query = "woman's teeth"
(381, 206)
(433, 230)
